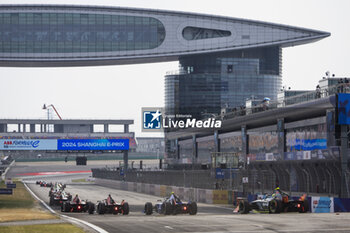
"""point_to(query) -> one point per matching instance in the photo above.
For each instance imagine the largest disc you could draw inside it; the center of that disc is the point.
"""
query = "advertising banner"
(322, 205)
(93, 144)
(308, 144)
(343, 109)
(219, 173)
(28, 144)
(64, 144)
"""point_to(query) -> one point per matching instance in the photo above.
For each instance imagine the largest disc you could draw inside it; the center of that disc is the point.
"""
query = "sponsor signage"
(93, 144)
(64, 144)
(28, 144)
(322, 204)
(219, 173)
(343, 109)
(6, 191)
(308, 144)
(11, 186)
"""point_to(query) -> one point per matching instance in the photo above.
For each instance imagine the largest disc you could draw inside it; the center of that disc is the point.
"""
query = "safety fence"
(317, 204)
(295, 178)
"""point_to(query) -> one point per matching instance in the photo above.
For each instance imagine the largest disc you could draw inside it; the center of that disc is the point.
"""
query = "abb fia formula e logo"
(21, 143)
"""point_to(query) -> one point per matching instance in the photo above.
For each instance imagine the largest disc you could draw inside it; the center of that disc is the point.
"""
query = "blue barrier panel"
(219, 173)
(6, 191)
(11, 186)
(341, 205)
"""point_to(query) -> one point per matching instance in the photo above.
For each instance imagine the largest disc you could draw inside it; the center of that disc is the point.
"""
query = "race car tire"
(125, 208)
(52, 200)
(148, 208)
(65, 207)
(91, 207)
(100, 208)
(275, 206)
(243, 207)
(168, 208)
(304, 207)
(193, 208)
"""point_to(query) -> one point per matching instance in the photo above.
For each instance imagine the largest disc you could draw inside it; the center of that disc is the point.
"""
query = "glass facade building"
(77, 32)
(68, 35)
(207, 83)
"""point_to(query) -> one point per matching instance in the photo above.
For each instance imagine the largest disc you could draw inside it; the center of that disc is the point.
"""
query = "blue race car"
(168, 206)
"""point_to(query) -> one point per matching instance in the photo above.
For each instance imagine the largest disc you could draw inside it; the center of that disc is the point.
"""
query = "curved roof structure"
(62, 35)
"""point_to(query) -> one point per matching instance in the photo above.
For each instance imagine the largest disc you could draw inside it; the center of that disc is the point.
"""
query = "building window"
(196, 33)
(229, 68)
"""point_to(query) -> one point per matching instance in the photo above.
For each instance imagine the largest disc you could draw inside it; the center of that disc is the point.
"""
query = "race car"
(168, 207)
(57, 187)
(57, 197)
(82, 206)
(103, 207)
(45, 184)
(276, 203)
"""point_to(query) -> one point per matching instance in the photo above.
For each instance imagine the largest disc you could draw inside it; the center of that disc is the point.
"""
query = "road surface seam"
(70, 219)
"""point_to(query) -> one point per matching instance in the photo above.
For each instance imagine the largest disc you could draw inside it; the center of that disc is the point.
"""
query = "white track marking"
(71, 219)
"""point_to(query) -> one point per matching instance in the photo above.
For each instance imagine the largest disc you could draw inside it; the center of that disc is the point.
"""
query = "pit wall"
(316, 204)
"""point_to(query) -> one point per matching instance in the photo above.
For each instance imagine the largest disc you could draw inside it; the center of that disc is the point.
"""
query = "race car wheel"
(91, 207)
(65, 207)
(125, 208)
(148, 208)
(51, 200)
(304, 207)
(193, 208)
(168, 208)
(100, 208)
(243, 207)
(275, 206)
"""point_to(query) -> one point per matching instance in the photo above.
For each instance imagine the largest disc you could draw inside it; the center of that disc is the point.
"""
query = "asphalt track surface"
(210, 218)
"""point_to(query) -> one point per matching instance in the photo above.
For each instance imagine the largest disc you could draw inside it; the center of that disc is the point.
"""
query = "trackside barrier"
(341, 204)
(316, 204)
(220, 196)
(198, 195)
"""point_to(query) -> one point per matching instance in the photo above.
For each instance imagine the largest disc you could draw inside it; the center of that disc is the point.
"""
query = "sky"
(119, 92)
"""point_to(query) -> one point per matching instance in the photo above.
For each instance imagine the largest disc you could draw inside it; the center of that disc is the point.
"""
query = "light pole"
(48, 114)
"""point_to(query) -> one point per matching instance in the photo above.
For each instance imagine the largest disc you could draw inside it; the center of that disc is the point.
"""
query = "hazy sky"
(119, 92)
